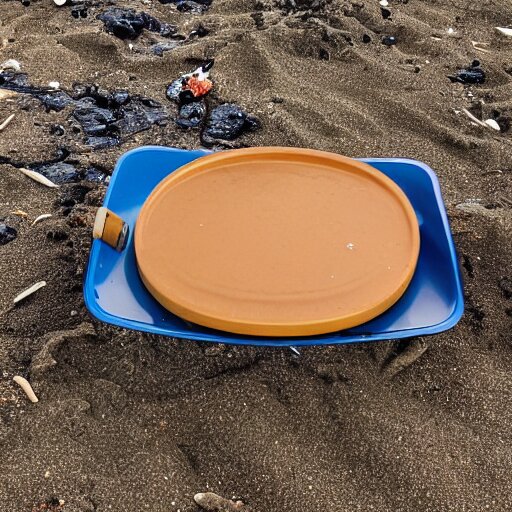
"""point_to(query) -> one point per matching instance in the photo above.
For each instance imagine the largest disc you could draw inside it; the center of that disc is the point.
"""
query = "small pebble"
(7, 234)
(389, 40)
(367, 39)
(386, 13)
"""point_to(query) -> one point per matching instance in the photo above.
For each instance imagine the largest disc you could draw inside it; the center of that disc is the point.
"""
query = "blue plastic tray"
(115, 294)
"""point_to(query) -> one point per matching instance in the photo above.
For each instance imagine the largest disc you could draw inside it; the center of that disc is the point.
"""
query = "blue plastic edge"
(450, 322)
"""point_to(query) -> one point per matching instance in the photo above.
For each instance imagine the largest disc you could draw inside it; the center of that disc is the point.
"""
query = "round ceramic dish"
(277, 242)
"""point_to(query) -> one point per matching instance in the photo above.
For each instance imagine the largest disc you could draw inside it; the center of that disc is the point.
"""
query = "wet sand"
(129, 421)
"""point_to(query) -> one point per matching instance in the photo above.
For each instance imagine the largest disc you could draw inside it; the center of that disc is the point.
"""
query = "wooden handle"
(110, 228)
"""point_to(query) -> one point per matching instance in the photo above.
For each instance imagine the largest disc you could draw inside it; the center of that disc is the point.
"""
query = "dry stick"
(25, 385)
(6, 123)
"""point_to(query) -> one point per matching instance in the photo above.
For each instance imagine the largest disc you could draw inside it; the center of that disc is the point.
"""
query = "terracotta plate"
(277, 242)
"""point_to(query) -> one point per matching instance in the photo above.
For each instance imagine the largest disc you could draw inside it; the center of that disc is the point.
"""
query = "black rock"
(196, 6)
(389, 40)
(175, 89)
(123, 23)
(79, 11)
(367, 39)
(7, 234)
(57, 129)
(191, 6)
(128, 23)
(324, 54)
(50, 98)
(94, 120)
(102, 142)
(56, 101)
(154, 25)
(140, 114)
(386, 13)
(191, 114)
(59, 172)
(227, 122)
(473, 74)
(120, 97)
(200, 31)
(94, 175)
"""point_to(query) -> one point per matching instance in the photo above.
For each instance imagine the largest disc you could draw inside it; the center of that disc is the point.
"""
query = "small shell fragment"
(6, 94)
(506, 31)
(474, 119)
(384, 3)
(60, 3)
(10, 65)
(477, 46)
(7, 122)
(54, 85)
(493, 124)
(39, 178)
(20, 213)
(26, 387)
(29, 291)
(40, 218)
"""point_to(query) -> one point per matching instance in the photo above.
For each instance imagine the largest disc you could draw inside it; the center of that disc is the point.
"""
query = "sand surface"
(128, 421)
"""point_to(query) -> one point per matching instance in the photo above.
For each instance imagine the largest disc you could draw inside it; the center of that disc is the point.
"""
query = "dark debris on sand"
(473, 74)
(7, 234)
(227, 122)
(129, 24)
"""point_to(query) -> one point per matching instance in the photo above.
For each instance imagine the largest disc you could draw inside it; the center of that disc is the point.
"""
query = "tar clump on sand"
(227, 122)
(7, 234)
(473, 74)
(129, 24)
(224, 123)
(193, 6)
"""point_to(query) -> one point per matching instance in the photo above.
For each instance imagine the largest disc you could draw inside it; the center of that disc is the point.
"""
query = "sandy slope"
(134, 422)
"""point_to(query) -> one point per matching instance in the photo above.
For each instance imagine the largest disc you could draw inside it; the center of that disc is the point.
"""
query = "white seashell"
(39, 178)
(54, 85)
(27, 388)
(29, 291)
(505, 31)
(60, 3)
(493, 124)
(11, 65)
(384, 3)
(451, 31)
(6, 123)
(41, 217)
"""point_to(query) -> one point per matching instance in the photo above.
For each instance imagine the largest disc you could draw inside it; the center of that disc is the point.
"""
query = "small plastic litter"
(29, 291)
(191, 86)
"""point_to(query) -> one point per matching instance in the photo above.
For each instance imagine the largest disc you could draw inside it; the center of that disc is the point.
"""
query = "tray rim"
(327, 339)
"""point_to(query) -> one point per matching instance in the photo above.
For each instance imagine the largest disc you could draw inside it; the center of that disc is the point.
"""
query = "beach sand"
(130, 421)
